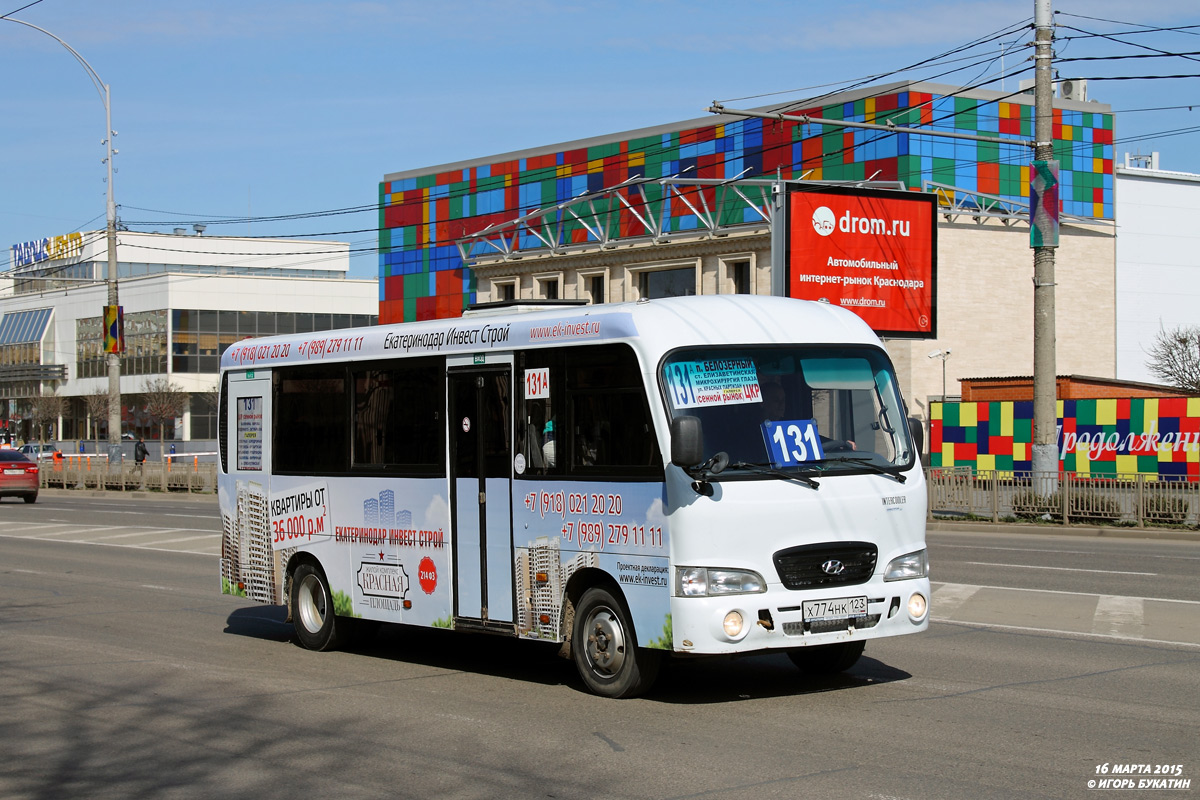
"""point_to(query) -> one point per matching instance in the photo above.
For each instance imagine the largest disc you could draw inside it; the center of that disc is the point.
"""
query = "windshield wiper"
(867, 463)
(760, 469)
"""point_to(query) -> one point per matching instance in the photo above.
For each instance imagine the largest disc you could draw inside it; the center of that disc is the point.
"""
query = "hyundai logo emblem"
(833, 567)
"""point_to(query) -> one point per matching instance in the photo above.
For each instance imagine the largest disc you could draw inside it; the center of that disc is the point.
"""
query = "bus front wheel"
(605, 650)
(827, 659)
(317, 627)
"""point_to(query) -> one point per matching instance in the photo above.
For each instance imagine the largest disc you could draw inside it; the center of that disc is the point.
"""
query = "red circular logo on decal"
(427, 575)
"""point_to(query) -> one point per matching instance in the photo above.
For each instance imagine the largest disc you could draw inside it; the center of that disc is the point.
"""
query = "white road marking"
(949, 596)
(38, 527)
(1060, 632)
(1061, 569)
(143, 532)
(1120, 616)
(1063, 552)
(210, 536)
(1077, 594)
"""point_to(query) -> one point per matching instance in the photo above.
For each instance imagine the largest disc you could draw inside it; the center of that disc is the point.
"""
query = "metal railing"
(1131, 500)
(180, 473)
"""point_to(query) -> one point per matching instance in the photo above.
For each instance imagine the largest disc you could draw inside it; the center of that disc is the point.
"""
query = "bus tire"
(317, 627)
(827, 659)
(605, 649)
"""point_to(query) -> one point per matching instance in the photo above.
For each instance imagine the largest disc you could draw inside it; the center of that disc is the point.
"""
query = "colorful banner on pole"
(114, 329)
(1043, 204)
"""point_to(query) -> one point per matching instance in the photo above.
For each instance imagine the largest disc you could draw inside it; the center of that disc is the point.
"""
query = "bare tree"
(211, 397)
(210, 402)
(97, 408)
(163, 401)
(1175, 357)
(45, 409)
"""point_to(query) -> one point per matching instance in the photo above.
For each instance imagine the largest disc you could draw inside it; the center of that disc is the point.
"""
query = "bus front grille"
(812, 566)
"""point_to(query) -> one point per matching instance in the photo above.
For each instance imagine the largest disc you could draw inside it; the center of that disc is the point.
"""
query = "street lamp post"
(114, 359)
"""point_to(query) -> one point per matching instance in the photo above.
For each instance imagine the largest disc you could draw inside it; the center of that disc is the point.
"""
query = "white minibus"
(674, 477)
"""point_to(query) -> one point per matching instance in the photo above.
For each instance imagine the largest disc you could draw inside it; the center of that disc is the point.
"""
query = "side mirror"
(916, 429)
(687, 441)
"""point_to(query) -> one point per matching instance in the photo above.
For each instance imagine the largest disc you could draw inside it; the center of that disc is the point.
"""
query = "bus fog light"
(917, 606)
(733, 624)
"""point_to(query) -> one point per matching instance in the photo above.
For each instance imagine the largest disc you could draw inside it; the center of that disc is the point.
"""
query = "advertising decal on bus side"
(422, 338)
(383, 542)
(617, 527)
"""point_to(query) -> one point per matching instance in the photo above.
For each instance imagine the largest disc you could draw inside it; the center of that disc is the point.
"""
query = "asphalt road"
(123, 673)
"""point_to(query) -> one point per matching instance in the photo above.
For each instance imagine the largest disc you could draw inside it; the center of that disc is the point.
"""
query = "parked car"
(40, 452)
(18, 475)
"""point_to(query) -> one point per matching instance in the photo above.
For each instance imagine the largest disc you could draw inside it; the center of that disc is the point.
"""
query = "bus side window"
(310, 420)
(397, 417)
(536, 433)
(595, 421)
(611, 431)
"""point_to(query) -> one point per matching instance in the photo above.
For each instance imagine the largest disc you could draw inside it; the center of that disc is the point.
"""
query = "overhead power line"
(1114, 38)
(1188, 29)
(1135, 77)
(1131, 55)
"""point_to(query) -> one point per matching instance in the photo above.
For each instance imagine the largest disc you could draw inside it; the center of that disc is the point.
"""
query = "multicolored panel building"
(423, 212)
(1158, 437)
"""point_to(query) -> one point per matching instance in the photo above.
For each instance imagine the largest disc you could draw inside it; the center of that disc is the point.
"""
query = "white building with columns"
(186, 297)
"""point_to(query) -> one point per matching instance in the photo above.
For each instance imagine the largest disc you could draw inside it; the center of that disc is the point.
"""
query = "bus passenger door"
(481, 493)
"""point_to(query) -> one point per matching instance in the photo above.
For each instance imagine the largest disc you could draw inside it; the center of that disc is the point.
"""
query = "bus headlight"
(705, 582)
(912, 565)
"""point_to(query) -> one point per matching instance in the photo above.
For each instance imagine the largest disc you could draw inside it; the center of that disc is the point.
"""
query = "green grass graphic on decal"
(664, 642)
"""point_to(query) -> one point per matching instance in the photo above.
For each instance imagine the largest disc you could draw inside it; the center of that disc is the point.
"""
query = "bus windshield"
(826, 409)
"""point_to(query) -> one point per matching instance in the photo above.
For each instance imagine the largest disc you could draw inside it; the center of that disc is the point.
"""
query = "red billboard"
(871, 251)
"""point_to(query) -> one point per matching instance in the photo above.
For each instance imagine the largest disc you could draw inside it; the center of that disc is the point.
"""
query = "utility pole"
(1043, 240)
(114, 359)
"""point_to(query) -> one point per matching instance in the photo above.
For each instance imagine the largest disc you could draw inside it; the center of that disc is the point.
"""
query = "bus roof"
(659, 325)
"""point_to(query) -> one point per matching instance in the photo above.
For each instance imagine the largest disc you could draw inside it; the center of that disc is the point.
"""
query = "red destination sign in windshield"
(873, 252)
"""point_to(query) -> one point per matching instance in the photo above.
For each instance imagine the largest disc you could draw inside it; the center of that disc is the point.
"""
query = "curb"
(972, 526)
(136, 494)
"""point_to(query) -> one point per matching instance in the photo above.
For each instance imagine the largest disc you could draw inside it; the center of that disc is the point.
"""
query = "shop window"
(739, 277)
(596, 288)
(657, 283)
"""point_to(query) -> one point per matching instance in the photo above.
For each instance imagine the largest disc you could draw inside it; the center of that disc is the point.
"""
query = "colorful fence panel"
(1096, 438)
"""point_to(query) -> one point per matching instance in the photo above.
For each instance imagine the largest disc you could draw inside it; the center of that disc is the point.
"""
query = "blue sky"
(251, 109)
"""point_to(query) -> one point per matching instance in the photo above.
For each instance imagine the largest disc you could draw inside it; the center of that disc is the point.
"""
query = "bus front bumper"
(783, 619)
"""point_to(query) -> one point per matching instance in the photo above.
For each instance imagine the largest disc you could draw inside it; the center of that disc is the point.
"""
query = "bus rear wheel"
(317, 626)
(827, 659)
(605, 650)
